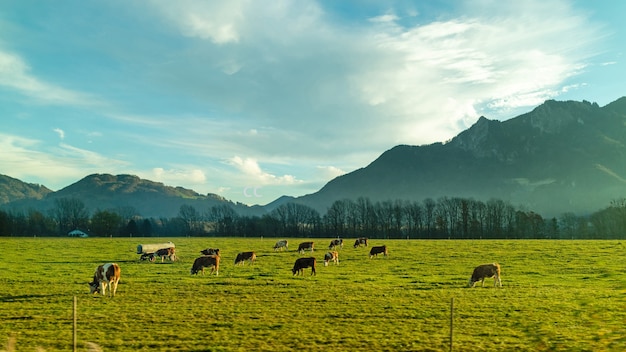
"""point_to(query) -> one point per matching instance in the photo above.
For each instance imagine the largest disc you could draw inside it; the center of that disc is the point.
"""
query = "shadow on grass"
(22, 298)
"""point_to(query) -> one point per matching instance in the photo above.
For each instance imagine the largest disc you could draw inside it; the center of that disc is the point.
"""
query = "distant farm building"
(77, 233)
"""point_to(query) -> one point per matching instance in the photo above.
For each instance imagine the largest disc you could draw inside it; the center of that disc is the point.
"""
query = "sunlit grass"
(557, 295)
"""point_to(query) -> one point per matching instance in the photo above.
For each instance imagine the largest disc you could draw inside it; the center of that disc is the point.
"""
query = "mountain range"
(122, 193)
(563, 156)
(560, 157)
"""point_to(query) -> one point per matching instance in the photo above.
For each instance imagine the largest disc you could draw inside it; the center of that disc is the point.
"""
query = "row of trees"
(457, 218)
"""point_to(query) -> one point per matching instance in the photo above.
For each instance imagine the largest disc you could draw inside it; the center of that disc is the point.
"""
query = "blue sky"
(257, 99)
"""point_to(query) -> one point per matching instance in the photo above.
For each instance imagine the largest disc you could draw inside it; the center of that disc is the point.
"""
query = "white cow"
(281, 244)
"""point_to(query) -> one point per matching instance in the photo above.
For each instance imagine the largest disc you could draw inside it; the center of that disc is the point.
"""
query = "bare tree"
(337, 217)
(190, 216)
(70, 214)
(224, 218)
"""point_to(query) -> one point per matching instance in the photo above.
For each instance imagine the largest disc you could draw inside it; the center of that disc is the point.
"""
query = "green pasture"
(556, 296)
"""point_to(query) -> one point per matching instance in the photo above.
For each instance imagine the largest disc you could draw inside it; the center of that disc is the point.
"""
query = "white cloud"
(178, 176)
(446, 71)
(15, 74)
(252, 171)
(384, 18)
(330, 172)
(60, 132)
(27, 159)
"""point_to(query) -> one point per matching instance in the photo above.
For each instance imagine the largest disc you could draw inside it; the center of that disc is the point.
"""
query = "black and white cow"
(361, 241)
(305, 246)
(210, 251)
(336, 243)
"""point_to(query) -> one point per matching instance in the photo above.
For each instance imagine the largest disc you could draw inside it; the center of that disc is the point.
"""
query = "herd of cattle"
(108, 275)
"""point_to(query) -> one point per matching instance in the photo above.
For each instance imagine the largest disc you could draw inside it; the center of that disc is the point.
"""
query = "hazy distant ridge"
(148, 198)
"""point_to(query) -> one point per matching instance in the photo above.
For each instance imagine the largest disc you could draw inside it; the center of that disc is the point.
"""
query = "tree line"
(444, 218)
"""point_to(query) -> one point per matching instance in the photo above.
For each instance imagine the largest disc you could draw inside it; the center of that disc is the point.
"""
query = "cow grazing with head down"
(106, 275)
(243, 256)
(375, 251)
(362, 241)
(210, 251)
(336, 243)
(147, 256)
(301, 264)
(282, 244)
(332, 256)
(169, 253)
(206, 261)
(306, 246)
(484, 271)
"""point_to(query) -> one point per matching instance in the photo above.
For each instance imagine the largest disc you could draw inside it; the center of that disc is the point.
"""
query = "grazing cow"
(336, 243)
(210, 251)
(484, 271)
(243, 256)
(206, 261)
(375, 251)
(147, 256)
(302, 263)
(331, 256)
(281, 244)
(306, 246)
(106, 275)
(362, 241)
(169, 253)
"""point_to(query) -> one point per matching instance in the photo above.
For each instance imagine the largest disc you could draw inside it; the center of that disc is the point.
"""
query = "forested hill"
(130, 193)
(560, 157)
(12, 189)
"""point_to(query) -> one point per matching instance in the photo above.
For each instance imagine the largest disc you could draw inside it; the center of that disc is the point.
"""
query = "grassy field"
(556, 296)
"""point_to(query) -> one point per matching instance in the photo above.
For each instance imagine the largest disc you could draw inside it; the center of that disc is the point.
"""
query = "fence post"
(451, 321)
(74, 332)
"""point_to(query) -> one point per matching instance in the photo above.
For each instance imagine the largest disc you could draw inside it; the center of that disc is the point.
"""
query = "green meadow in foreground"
(556, 296)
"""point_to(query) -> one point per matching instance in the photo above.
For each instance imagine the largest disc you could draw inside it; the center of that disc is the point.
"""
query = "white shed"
(77, 233)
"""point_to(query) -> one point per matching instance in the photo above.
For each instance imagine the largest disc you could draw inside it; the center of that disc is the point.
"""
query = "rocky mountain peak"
(474, 138)
(553, 116)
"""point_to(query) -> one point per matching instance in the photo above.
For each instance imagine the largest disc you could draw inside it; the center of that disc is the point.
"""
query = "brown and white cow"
(302, 263)
(306, 246)
(210, 251)
(281, 244)
(206, 261)
(332, 256)
(106, 275)
(375, 251)
(484, 271)
(336, 243)
(169, 253)
(243, 256)
(361, 241)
